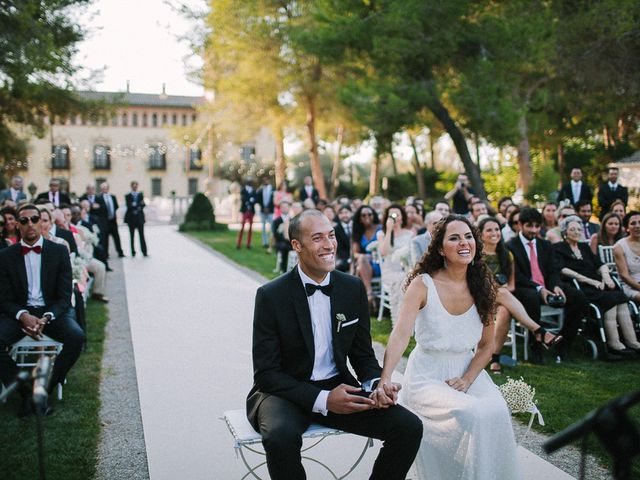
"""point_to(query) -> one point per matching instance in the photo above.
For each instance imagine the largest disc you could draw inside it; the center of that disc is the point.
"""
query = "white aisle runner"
(191, 316)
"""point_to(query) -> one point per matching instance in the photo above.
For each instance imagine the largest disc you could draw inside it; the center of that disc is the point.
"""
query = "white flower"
(518, 395)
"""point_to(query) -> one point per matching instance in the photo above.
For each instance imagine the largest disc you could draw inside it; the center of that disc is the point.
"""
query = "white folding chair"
(27, 351)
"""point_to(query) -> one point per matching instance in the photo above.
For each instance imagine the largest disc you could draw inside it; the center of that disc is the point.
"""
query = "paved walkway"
(190, 312)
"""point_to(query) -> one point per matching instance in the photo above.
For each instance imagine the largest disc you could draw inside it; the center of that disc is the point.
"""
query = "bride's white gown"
(466, 435)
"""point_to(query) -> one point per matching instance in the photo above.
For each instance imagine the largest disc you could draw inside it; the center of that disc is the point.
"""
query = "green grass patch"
(256, 258)
(71, 433)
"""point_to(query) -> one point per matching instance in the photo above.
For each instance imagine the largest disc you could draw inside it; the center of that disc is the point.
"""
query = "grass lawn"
(565, 392)
(71, 433)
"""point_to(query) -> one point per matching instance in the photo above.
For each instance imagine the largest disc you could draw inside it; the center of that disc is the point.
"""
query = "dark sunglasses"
(34, 219)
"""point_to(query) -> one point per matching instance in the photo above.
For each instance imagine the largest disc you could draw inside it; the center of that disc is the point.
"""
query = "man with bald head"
(14, 192)
(54, 195)
(307, 324)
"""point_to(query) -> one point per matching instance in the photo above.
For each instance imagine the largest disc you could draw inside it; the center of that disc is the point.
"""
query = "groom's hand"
(386, 394)
(342, 400)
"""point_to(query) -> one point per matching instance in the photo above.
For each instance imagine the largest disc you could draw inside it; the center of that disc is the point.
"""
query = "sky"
(137, 41)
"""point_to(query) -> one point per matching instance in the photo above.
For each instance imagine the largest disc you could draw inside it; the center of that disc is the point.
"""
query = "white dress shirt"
(266, 195)
(54, 198)
(14, 194)
(534, 245)
(33, 266)
(324, 365)
(575, 190)
(613, 186)
(109, 202)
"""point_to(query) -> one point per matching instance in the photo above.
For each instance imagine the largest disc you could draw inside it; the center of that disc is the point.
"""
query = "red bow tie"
(37, 249)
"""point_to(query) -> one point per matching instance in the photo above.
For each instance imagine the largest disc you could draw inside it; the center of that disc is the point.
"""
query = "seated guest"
(499, 260)
(281, 195)
(81, 216)
(393, 244)
(343, 227)
(553, 234)
(329, 212)
(365, 227)
(11, 233)
(414, 219)
(280, 229)
(618, 208)
(503, 204)
(537, 277)
(442, 207)
(477, 210)
(548, 218)
(583, 210)
(610, 232)
(577, 261)
(46, 223)
(58, 229)
(41, 305)
(420, 243)
(512, 228)
(627, 256)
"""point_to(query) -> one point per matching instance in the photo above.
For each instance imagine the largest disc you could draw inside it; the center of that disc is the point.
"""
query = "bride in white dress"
(450, 300)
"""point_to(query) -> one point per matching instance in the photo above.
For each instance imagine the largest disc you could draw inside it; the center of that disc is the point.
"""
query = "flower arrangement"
(518, 395)
(78, 266)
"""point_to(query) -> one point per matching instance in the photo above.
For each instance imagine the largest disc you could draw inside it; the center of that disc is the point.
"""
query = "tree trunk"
(394, 167)
(432, 150)
(281, 163)
(525, 174)
(335, 171)
(476, 140)
(561, 165)
(316, 168)
(422, 189)
(442, 114)
(374, 180)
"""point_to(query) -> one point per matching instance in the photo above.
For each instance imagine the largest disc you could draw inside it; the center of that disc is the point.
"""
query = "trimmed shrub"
(200, 216)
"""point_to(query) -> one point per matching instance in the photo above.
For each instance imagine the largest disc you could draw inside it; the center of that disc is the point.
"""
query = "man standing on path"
(248, 201)
(265, 200)
(14, 192)
(307, 324)
(134, 217)
(54, 195)
(111, 204)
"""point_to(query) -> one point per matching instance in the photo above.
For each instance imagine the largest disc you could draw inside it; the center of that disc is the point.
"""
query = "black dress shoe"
(121, 255)
(109, 269)
(624, 352)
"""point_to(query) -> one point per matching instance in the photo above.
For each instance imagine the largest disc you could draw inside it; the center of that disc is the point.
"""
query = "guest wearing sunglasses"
(10, 233)
(39, 306)
(366, 225)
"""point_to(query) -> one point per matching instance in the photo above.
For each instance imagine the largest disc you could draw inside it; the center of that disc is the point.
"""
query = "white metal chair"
(27, 351)
(246, 439)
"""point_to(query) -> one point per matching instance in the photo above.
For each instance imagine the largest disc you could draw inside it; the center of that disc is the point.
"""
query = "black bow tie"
(311, 289)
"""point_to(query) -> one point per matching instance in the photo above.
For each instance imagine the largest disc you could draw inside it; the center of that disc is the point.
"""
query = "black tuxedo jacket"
(606, 196)
(268, 206)
(68, 236)
(248, 200)
(55, 279)
(134, 214)
(283, 348)
(278, 236)
(344, 242)
(315, 196)
(115, 207)
(546, 261)
(63, 198)
(567, 192)
(100, 210)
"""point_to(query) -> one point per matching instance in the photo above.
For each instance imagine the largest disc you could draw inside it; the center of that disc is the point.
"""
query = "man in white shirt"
(111, 225)
(14, 192)
(576, 190)
(306, 325)
(35, 299)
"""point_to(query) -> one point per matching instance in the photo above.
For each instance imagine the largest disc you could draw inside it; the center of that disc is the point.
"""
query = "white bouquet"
(78, 265)
(519, 397)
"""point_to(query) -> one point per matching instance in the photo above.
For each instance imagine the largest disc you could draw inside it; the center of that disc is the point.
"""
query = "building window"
(101, 157)
(99, 181)
(174, 119)
(125, 120)
(157, 157)
(194, 117)
(134, 120)
(248, 154)
(72, 119)
(144, 120)
(164, 119)
(195, 159)
(104, 121)
(192, 186)
(114, 120)
(184, 120)
(60, 157)
(154, 120)
(156, 187)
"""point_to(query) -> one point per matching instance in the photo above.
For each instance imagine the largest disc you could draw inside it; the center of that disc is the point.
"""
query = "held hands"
(386, 395)
(458, 383)
(32, 325)
(343, 399)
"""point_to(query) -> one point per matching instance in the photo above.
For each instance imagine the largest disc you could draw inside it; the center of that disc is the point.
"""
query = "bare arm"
(449, 195)
(414, 299)
(593, 243)
(384, 241)
(567, 272)
(623, 269)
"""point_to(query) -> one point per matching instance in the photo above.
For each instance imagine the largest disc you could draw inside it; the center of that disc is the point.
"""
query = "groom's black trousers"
(282, 424)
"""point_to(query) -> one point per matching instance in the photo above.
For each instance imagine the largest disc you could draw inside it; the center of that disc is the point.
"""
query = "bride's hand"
(458, 383)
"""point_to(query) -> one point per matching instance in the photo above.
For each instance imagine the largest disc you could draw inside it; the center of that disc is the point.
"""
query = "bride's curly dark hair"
(479, 279)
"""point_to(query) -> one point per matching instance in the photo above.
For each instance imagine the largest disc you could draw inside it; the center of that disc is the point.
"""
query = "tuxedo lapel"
(524, 258)
(22, 271)
(301, 306)
(45, 264)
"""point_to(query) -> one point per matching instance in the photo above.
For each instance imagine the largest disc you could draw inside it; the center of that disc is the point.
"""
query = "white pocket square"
(350, 322)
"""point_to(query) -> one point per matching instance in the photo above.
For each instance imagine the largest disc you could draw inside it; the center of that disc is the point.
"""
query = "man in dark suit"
(576, 190)
(97, 210)
(134, 218)
(35, 299)
(280, 229)
(54, 195)
(248, 201)
(307, 324)
(583, 209)
(537, 277)
(14, 192)
(343, 228)
(59, 229)
(309, 191)
(111, 204)
(265, 200)
(611, 191)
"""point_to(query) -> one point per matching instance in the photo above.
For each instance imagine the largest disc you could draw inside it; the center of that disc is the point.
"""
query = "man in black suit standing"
(248, 201)
(538, 277)
(265, 200)
(35, 299)
(54, 195)
(576, 190)
(97, 210)
(583, 210)
(134, 217)
(611, 191)
(280, 230)
(307, 324)
(344, 228)
(309, 191)
(111, 204)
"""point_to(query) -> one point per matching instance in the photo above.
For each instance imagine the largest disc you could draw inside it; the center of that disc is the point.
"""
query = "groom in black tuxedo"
(306, 324)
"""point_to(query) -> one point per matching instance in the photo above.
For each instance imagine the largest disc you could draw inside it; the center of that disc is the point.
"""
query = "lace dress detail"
(467, 436)
(633, 265)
